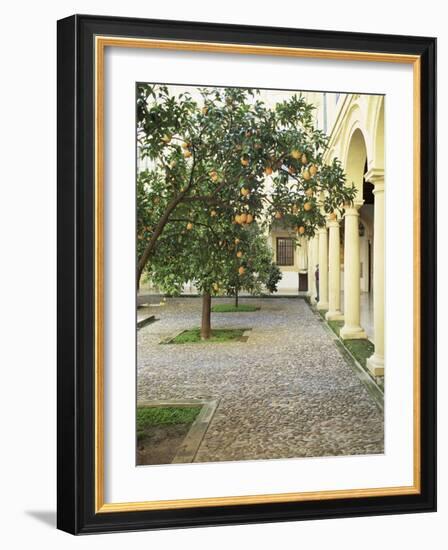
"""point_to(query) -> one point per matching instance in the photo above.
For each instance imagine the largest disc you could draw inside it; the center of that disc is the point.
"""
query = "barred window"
(285, 251)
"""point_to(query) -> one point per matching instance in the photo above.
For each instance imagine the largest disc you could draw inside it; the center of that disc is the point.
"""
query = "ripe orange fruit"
(214, 175)
(309, 192)
(187, 153)
(307, 206)
(185, 145)
(301, 230)
(241, 270)
(249, 218)
(313, 170)
(245, 192)
(243, 217)
(304, 159)
(306, 175)
(239, 254)
(268, 170)
(237, 241)
(237, 218)
(213, 213)
(296, 154)
(189, 226)
(244, 161)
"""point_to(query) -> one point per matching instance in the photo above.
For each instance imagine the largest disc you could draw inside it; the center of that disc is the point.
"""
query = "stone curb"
(190, 445)
(374, 390)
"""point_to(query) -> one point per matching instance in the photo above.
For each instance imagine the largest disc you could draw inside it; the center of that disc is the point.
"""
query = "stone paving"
(286, 392)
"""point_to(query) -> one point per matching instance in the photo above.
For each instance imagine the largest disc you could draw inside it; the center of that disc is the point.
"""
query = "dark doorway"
(367, 189)
(303, 282)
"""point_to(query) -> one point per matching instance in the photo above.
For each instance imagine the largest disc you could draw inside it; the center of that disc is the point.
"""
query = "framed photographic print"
(246, 274)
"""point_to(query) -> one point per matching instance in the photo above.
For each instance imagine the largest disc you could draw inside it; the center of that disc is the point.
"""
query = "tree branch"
(149, 249)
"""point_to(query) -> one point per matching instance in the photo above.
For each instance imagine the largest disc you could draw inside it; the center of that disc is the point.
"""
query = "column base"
(334, 316)
(352, 333)
(375, 364)
(322, 305)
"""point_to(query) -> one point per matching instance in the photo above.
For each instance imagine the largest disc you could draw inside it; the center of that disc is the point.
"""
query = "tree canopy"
(232, 156)
(216, 171)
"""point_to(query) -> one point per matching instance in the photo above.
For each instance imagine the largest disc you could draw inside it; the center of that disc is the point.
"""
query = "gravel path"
(286, 392)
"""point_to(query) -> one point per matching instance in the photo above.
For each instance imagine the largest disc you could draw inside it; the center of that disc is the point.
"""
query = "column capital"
(378, 188)
(375, 176)
(351, 209)
(332, 222)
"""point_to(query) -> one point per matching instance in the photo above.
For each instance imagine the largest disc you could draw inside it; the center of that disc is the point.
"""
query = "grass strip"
(193, 336)
(231, 308)
(156, 416)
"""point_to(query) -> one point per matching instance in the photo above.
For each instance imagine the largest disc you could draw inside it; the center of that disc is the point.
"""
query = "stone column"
(312, 262)
(375, 363)
(352, 288)
(323, 269)
(315, 249)
(334, 273)
(311, 282)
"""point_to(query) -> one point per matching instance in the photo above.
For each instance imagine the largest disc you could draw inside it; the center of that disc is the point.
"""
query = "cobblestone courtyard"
(286, 392)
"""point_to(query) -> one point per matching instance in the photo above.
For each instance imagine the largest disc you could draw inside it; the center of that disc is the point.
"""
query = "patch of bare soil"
(160, 444)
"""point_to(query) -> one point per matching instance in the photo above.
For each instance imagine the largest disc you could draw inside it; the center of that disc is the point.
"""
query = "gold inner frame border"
(101, 42)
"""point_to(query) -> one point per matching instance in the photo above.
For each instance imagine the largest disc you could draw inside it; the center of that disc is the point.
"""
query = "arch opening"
(356, 162)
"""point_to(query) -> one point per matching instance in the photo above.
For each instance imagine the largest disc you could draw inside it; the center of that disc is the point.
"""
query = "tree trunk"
(149, 249)
(206, 316)
(236, 298)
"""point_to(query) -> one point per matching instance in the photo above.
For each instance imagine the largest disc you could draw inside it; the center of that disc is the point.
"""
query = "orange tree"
(221, 162)
(251, 266)
(217, 257)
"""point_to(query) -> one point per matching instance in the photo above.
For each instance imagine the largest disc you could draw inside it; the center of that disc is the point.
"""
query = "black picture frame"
(76, 254)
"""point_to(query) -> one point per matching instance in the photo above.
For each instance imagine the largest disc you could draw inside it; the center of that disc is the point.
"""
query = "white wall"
(27, 218)
(289, 281)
